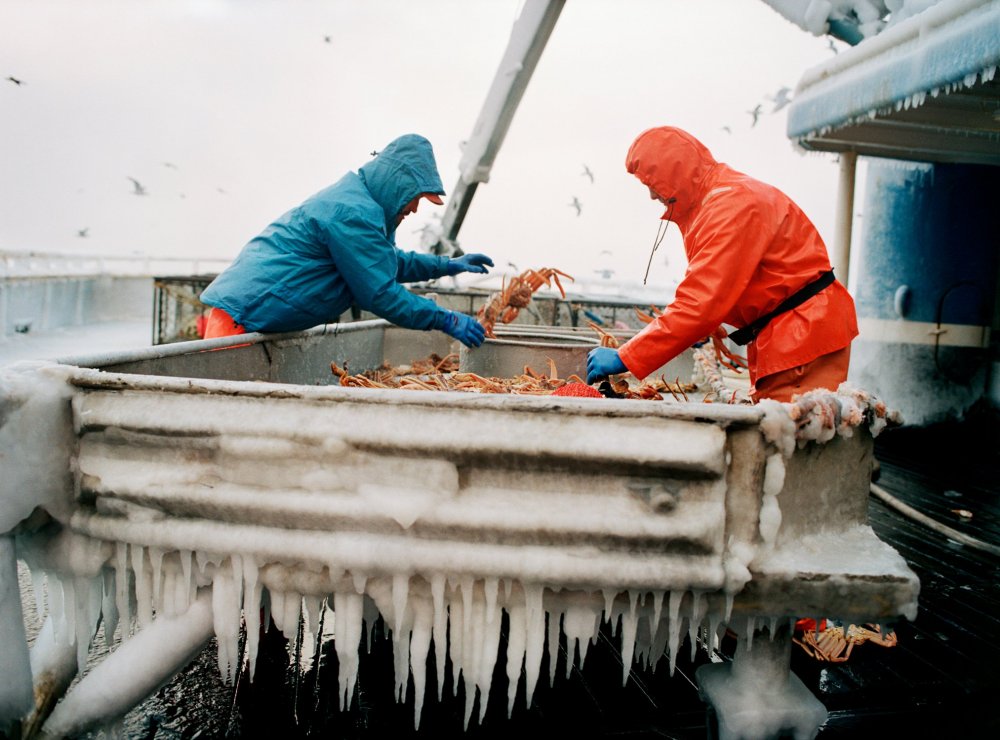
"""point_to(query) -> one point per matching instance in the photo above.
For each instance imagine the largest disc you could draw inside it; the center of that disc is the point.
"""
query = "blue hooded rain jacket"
(339, 248)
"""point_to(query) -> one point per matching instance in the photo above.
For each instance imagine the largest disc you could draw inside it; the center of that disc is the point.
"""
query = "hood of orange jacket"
(749, 247)
(675, 165)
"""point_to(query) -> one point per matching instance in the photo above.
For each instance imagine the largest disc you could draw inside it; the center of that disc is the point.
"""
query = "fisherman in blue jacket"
(339, 248)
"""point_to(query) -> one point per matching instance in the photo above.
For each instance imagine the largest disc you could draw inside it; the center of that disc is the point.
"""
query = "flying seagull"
(171, 165)
(83, 232)
(727, 129)
(327, 39)
(587, 173)
(780, 99)
(831, 45)
(576, 204)
(137, 188)
(16, 81)
(755, 113)
(374, 152)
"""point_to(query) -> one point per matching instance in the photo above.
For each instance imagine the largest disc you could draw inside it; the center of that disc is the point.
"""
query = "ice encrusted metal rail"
(155, 491)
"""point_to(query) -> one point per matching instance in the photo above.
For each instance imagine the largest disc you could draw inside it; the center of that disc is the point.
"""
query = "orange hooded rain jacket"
(748, 247)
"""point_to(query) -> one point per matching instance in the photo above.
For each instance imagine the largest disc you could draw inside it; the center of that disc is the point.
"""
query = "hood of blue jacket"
(399, 173)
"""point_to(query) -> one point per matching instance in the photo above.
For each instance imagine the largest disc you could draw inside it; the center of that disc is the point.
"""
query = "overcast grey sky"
(230, 112)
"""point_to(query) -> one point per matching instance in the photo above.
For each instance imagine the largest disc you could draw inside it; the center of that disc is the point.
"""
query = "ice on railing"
(14, 265)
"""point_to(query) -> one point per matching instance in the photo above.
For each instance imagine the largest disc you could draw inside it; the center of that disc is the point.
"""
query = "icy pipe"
(757, 696)
(54, 666)
(15, 687)
(135, 670)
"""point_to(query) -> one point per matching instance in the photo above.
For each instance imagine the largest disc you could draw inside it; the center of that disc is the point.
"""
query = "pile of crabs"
(436, 373)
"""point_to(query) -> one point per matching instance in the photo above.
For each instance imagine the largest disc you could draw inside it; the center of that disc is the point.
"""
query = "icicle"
(312, 608)
(751, 621)
(226, 621)
(534, 619)
(629, 625)
(456, 618)
(251, 609)
(474, 648)
(697, 612)
(673, 612)
(490, 586)
(277, 608)
(292, 613)
(121, 588)
(109, 608)
(348, 611)
(86, 592)
(420, 643)
(729, 607)
(609, 603)
(69, 608)
(580, 625)
(657, 609)
(143, 595)
(360, 581)
(185, 557)
(400, 594)
(553, 645)
(491, 647)
(713, 630)
(57, 610)
(156, 561)
(467, 585)
(772, 627)
(508, 585)
(516, 645)
(401, 659)
(439, 631)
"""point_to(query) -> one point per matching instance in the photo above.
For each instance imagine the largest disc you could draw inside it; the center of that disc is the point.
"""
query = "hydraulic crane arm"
(527, 39)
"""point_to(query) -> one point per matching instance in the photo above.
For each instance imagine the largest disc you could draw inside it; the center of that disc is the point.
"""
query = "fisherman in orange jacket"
(755, 262)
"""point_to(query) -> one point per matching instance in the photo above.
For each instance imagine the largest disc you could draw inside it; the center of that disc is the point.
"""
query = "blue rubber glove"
(463, 328)
(602, 362)
(468, 263)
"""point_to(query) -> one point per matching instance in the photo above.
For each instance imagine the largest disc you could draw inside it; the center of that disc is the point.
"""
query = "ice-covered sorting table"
(183, 487)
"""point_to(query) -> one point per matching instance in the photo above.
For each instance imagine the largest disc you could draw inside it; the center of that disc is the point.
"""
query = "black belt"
(749, 332)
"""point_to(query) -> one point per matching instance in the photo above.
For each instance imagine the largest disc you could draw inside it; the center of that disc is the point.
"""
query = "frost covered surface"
(820, 415)
(193, 525)
(870, 16)
(36, 441)
(948, 47)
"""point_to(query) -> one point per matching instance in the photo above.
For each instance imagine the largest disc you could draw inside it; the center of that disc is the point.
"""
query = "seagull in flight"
(137, 188)
(576, 204)
(171, 165)
(327, 39)
(587, 173)
(755, 113)
(831, 45)
(727, 129)
(83, 232)
(374, 152)
(780, 99)
(16, 81)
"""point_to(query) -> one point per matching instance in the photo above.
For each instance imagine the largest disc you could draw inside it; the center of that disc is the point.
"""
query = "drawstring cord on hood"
(661, 231)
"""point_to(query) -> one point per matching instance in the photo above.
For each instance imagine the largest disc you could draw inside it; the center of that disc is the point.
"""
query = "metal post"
(840, 254)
